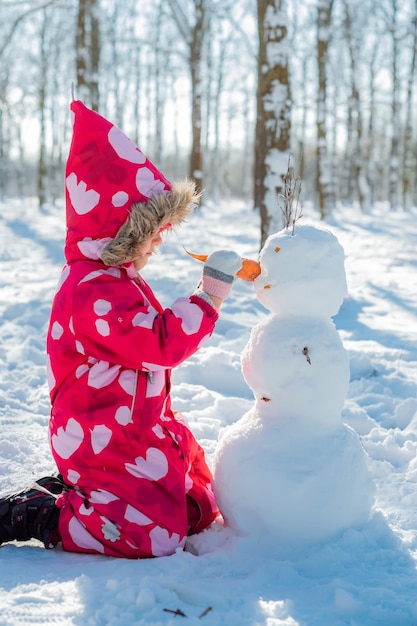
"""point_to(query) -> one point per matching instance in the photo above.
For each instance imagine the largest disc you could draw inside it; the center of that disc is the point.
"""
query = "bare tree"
(394, 161)
(355, 153)
(193, 31)
(21, 17)
(325, 184)
(408, 160)
(87, 45)
(4, 133)
(42, 94)
(370, 133)
(272, 135)
(160, 65)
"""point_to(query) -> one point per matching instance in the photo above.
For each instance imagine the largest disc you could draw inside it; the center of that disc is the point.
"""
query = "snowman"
(290, 469)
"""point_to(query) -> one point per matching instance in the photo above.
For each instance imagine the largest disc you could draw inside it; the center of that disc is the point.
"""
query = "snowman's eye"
(277, 249)
(267, 286)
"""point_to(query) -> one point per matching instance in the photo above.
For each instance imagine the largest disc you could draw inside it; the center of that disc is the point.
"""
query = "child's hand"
(219, 271)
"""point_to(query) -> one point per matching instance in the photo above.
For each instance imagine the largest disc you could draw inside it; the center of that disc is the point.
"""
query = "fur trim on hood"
(146, 218)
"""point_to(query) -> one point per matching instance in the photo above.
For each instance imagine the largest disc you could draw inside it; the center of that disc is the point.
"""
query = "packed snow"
(359, 574)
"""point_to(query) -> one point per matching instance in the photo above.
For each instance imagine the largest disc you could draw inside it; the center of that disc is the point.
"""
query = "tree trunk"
(325, 187)
(194, 38)
(87, 45)
(408, 160)
(42, 160)
(272, 135)
(394, 161)
(196, 157)
(370, 147)
(355, 164)
(160, 63)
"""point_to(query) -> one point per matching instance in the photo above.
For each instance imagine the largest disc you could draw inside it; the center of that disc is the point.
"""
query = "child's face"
(145, 251)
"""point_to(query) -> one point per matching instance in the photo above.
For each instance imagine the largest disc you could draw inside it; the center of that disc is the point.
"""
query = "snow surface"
(365, 576)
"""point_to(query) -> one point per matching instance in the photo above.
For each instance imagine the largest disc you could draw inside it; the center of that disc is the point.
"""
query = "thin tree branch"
(21, 17)
(181, 20)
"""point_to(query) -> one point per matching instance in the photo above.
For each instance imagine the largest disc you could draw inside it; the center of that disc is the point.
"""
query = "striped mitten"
(219, 271)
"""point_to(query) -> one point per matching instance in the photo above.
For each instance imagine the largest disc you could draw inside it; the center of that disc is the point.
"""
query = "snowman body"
(290, 468)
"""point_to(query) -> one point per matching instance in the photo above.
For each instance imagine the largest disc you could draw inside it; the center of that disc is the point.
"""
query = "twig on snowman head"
(289, 201)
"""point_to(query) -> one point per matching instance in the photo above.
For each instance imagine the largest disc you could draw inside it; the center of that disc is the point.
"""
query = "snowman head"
(302, 273)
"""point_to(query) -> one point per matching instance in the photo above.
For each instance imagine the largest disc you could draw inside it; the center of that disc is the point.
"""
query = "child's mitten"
(219, 271)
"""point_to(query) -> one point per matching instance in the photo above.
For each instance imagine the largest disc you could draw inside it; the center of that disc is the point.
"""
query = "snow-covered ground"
(364, 577)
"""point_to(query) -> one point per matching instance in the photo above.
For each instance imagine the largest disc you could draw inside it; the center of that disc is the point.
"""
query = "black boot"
(32, 513)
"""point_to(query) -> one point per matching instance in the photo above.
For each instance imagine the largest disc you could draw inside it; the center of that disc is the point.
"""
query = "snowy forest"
(222, 90)
(304, 399)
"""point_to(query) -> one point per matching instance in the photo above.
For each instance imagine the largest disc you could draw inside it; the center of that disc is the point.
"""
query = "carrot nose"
(249, 270)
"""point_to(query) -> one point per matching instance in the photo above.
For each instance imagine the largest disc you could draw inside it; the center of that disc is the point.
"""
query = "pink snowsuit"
(140, 483)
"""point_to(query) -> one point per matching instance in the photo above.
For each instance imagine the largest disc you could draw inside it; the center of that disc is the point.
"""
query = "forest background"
(222, 90)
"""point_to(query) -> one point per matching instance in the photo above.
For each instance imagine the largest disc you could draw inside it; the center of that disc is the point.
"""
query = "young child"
(133, 481)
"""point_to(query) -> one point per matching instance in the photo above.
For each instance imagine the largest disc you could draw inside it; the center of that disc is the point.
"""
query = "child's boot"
(32, 513)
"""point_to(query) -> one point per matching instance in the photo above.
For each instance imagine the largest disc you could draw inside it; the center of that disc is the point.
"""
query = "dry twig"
(289, 200)
(176, 612)
(207, 610)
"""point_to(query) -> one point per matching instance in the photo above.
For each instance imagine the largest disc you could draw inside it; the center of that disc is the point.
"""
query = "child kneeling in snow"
(133, 481)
